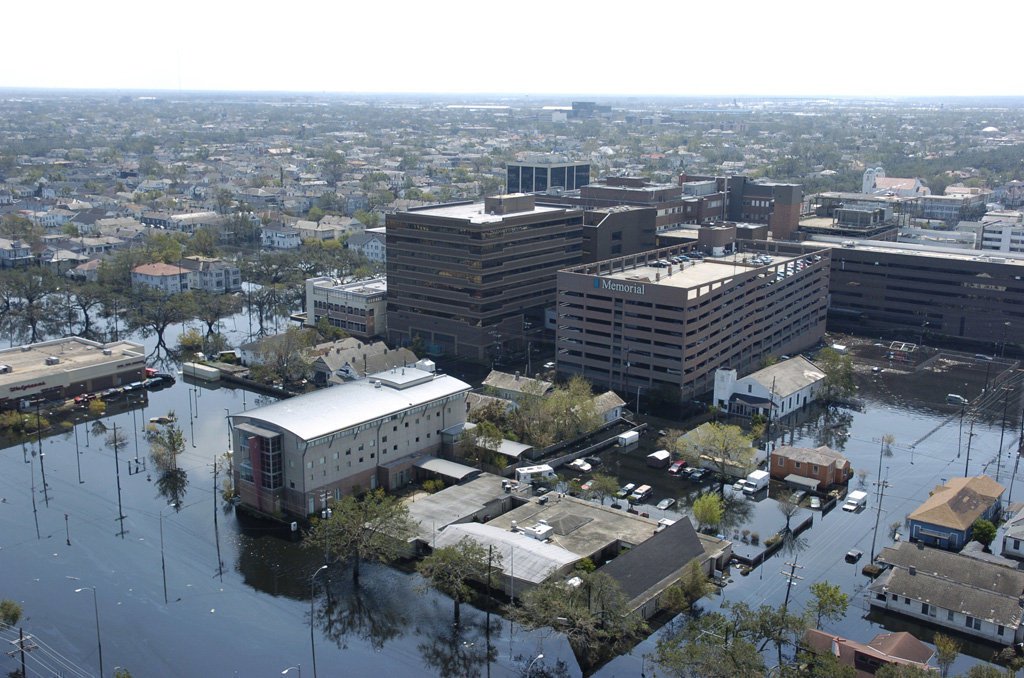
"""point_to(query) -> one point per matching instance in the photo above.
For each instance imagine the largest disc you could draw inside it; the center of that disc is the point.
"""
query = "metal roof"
(449, 469)
(522, 557)
(337, 408)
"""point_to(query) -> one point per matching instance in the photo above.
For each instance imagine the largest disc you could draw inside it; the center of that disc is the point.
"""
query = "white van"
(641, 494)
(855, 500)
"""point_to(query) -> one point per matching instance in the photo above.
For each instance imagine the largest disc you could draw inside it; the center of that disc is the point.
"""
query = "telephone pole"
(882, 484)
(791, 578)
(24, 644)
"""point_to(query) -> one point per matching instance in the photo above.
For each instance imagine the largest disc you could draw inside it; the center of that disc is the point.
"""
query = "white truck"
(855, 500)
(755, 482)
(528, 474)
(629, 438)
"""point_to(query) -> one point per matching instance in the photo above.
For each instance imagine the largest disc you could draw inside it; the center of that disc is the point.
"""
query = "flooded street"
(248, 618)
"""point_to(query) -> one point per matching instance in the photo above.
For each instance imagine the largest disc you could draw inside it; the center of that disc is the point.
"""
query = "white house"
(280, 238)
(167, 278)
(371, 244)
(952, 591)
(780, 389)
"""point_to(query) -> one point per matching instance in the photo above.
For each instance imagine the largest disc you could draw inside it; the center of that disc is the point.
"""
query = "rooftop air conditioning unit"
(52, 360)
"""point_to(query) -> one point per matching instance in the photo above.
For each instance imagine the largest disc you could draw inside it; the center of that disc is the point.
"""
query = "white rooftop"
(522, 556)
(337, 408)
(475, 214)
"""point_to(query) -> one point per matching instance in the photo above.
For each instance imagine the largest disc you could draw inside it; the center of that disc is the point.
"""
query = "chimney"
(912, 570)
(517, 375)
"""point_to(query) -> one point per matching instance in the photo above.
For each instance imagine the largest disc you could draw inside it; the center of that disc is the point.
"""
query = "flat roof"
(432, 512)
(343, 406)
(73, 352)
(581, 527)
(696, 273)
(475, 214)
(948, 253)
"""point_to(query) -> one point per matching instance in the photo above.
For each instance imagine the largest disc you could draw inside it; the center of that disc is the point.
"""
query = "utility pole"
(882, 484)
(42, 466)
(970, 438)
(117, 472)
(216, 527)
(24, 644)
(791, 578)
(1002, 430)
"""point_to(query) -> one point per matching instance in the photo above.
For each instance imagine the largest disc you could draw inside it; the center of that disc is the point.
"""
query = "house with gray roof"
(951, 591)
(775, 391)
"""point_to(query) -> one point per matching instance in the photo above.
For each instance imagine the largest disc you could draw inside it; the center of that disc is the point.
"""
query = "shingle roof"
(822, 456)
(788, 376)
(959, 502)
(952, 582)
(645, 565)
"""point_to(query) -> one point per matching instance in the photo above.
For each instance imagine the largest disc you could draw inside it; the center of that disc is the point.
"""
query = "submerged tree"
(372, 527)
(451, 569)
(166, 442)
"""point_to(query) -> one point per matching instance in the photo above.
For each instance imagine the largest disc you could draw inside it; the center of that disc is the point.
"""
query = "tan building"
(64, 368)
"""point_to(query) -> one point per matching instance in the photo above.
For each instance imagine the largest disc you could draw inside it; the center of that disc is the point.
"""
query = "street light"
(529, 667)
(297, 667)
(312, 645)
(96, 607)
(163, 562)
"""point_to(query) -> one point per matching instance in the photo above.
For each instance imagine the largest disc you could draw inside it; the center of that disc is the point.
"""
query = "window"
(814, 469)
(796, 464)
(949, 615)
(779, 461)
(973, 623)
(1000, 629)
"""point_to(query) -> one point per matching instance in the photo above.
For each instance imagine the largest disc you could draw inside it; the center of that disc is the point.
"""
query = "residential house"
(311, 230)
(343, 225)
(89, 271)
(900, 648)
(952, 591)
(815, 469)
(1013, 536)
(280, 238)
(367, 434)
(15, 253)
(351, 358)
(371, 243)
(212, 275)
(167, 278)
(946, 518)
(772, 392)
(608, 406)
(515, 387)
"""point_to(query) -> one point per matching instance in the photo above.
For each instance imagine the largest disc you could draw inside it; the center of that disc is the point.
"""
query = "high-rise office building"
(470, 279)
(545, 174)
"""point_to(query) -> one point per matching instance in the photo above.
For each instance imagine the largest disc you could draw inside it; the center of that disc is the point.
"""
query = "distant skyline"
(741, 48)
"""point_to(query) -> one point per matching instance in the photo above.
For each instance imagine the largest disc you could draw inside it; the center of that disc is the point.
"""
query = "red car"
(677, 467)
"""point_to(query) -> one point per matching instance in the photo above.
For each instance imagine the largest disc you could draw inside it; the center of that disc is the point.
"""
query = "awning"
(750, 400)
(448, 469)
(257, 431)
(801, 481)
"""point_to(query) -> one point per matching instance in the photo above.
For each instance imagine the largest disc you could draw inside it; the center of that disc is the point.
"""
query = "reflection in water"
(459, 651)
(373, 611)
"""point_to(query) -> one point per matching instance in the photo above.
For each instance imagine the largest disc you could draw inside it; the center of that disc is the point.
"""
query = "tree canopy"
(372, 527)
(450, 569)
(725, 447)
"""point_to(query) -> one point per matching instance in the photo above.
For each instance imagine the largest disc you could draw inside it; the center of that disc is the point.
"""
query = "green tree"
(602, 485)
(10, 612)
(166, 443)
(827, 602)
(372, 527)
(708, 509)
(983, 531)
(450, 569)
(838, 370)
(694, 585)
(905, 671)
(725, 447)
(947, 649)
(594, 616)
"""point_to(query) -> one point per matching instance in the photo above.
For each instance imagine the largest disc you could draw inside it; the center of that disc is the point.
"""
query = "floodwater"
(245, 612)
(930, 447)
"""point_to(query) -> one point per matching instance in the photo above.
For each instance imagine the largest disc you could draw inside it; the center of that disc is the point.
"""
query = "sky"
(680, 48)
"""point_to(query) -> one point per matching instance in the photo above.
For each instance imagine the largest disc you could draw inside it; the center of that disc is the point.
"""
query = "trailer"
(629, 438)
